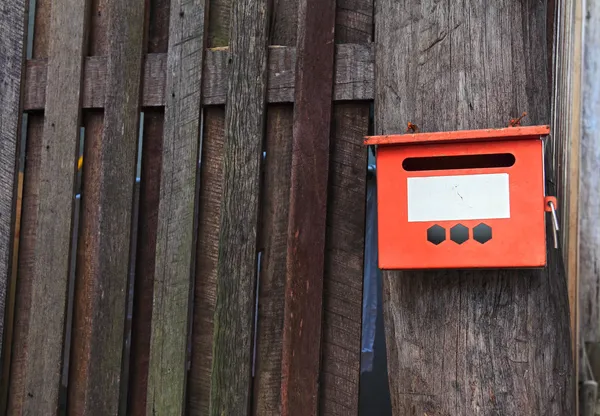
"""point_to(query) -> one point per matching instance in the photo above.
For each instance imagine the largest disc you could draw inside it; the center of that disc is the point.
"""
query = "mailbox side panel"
(462, 217)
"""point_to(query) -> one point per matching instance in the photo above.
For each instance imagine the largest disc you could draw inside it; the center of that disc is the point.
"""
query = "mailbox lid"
(516, 240)
(504, 134)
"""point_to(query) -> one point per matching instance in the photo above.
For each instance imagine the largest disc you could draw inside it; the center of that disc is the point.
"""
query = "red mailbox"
(462, 199)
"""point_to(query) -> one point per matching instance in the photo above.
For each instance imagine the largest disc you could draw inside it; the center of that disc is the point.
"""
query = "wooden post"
(167, 366)
(470, 342)
(308, 208)
(236, 266)
(103, 260)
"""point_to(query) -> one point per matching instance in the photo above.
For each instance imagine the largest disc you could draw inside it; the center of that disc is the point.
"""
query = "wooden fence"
(244, 240)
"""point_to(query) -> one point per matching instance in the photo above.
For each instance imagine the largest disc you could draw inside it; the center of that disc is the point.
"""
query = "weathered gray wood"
(44, 336)
(275, 193)
(353, 77)
(29, 202)
(470, 342)
(354, 21)
(302, 325)
(104, 244)
(589, 181)
(175, 229)
(236, 267)
(145, 256)
(276, 197)
(209, 222)
(343, 282)
(12, 53)
(207, 253)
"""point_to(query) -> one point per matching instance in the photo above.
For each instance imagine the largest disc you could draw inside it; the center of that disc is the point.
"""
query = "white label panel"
(464, 197)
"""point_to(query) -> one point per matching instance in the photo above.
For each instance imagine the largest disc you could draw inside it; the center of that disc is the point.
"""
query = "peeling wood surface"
(493, 341)
(353, 77)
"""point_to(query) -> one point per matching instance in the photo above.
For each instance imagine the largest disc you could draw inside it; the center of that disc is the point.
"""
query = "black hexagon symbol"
(436, 234)
(482, 233)
(459, 234)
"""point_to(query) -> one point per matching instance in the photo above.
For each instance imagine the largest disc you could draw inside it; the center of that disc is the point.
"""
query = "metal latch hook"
(550, 206)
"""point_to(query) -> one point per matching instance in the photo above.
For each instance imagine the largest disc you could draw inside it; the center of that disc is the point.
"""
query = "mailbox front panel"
(461, 205)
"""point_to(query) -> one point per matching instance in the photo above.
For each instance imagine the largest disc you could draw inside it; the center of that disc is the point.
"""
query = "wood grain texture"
(104, 244)
(44, 338)
(274, 227)
(470, 342)
(207, 252)
(175, 229)
(31, 184)
(150, 174)
(236, 267)
(354, 21)
(589, 182)
(274, 215)
(308, 208)
(12, 45)
(344, 254)
(354, 79)
(145, 260)
(209, 221)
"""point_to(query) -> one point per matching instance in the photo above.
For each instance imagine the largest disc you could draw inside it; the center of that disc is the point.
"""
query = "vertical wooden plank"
(145, 261)
(274, 226)
(470, 342)
(44, 335)
(273, 230)
(103, 260)
(151, 160)
(308, 207)
(209, 211)
(174, 240)
(589, 181)
(12, 45)
(342, 304)
(344, 252)
(31, 184)
(207, 252)
(236, 266)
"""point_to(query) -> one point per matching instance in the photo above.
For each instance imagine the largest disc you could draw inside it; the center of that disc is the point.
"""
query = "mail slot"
(462, 199)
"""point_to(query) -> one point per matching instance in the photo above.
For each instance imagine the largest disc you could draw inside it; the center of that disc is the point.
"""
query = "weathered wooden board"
(353, 77)
(150, 174)
(589, 188)
(104, 243)
(145, 261)
(44, 336)
(308, 208)
(275, 193)
(271, 288)
(344, 252)
(12, 45)
(343, 283)
(31, 184)
(207, 252)
(175, 227)
(470, 342)
(209, 219)
(236, 266)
